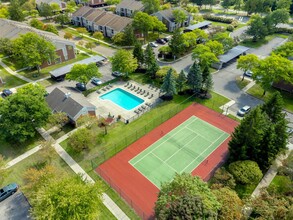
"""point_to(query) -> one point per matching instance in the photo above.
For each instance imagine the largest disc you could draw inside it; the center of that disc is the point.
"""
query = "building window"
(112, 31)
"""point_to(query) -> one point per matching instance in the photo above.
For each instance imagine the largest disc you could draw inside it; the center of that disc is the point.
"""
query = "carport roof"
(198, 25)
(66, 69)
(233, 53)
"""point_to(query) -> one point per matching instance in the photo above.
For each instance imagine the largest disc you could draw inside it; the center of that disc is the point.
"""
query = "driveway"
(15, 207)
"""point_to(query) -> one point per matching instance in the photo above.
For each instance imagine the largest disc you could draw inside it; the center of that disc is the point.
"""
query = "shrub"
(283, 30)
(82, 139)
(230, 28)
(245, 172)
(161, 73)
(218, 19)
(223, 178)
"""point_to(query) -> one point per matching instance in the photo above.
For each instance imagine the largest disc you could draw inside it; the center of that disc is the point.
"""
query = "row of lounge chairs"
(138, 90)
(143, 108)
(105, 88)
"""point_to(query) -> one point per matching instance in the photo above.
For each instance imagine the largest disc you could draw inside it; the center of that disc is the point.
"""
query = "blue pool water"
(122, 98)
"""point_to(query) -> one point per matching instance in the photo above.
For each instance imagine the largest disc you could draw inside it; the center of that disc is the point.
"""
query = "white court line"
(164, 162)
(205, 151)
(163, 141)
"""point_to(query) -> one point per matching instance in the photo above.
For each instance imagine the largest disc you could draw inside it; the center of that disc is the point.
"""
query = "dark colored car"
(160, 41)
(116, 73)
(96, 81)
(6, 92)
(8, 190)
(167, 39)
(81, 86)
(244, 110)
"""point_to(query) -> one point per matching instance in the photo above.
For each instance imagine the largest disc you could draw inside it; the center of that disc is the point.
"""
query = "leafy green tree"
(177, 43)
(68, 35)
(22, 113)
(204, 56)
(129, 38)
(273, 69)
(62, 19)
(55, 7)
(83, 72)
(139, 54)
(4, 13)
(190, 39)
(194, 78)
(245, 172)
(36, 23)
(247, 62)
(15, 11)
(81, 31)
(98, 35)
(143, 23)
(181, 81)
(151, 6)
(198, 2)
(179, 16)
(254, 6)
(90, 45)
(82, 139)
(207, 84)
(279, 16)
(31, 50)
(67, 198)
(158, 25)
(273, 107)
(231, 204)
(215, 47)
(285, 50)
(205, 73)
(284, 4)
(169, 84)
(257, 29)
(186, 197)
(222, 178)
(50, 28)
(226, 4)
(45, 10)
(225, 40)
(123, 61)
(58, 119)
(5, 46)
(162, 72)
(118, 38)
(238, 5)
(150, 61)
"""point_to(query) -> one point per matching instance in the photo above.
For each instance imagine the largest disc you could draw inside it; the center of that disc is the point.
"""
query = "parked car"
(96, 81)
(167, 39)
(290, 131)
(248, 73)
(8, 190)
(161, 41)
(102, 62)
(117, 74)
(244, 110)
(153, 44)
(81, 86)
(6, 92)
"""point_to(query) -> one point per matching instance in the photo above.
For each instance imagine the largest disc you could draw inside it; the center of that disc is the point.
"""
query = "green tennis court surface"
(180, 150)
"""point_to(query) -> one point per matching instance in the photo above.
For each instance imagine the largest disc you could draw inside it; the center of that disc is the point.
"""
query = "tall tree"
(90, 45)
(62, 19)
(36, 23)
(22, 113)
(138, 53)
(6, 46)
(285, 50)
(67, 198)
(15, 11)
(124, 62)
(207, 85)
(129, 38)
(50, 28)
(151, 6)
(273, 107)
(143, 23)
(257, 29)
(194, 78)
(284, 4)
(225, 40)
(82, 139)
(4, 12)
(181, 81)
(45, 10)
(169, 84)
(186, 197)
(150, 61)
(247, 62)
(83, 72)
(215, 47)
(180, 16)
(204, 56)
(31, 50)
(279, 16)
(190, 39)
(177, 43)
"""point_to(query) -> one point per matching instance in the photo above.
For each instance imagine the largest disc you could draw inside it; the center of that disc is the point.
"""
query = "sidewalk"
(14, 73)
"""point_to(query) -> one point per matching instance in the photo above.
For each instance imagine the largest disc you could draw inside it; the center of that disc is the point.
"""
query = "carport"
(60, 73)
(231, 55)
(200, 25)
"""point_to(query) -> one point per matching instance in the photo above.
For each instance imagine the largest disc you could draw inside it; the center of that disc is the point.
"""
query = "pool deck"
(149, 94)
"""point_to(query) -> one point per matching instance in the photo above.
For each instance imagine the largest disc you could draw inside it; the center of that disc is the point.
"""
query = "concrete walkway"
(14, 73)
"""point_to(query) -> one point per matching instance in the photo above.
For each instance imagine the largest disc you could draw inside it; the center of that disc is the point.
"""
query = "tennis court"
(180, 150)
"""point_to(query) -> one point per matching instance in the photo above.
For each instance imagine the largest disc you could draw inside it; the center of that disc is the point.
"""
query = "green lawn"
(241, 83)
(245, 191)
(281, 184)
(257, 91)
(252, 44)
(10, 80)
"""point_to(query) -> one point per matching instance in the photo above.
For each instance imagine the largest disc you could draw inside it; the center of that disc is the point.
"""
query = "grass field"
(10, 80)
(180, 150)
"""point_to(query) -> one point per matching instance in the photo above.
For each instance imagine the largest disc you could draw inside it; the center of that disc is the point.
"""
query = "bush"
(230, 28)
(218, 19)
(82, 139)
(223, 178)
(283, 30)
(161, 73)
(245, 172)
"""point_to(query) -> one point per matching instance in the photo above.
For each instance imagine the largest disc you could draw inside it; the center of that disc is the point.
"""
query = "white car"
(153, 44)
(248, 73)
(244, 110)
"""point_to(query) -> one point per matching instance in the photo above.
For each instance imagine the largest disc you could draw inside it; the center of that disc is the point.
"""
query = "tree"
(284, 4)
(15, 11)
(98, 35)
(186, 197)
(62, 19)
(129, 38)
(253, 6)
(83, 72)
(222, 178)
(198, 2)
(169, 84)
(257, 29)
(194, 78)
(162, 72)
(151, 6)
(81, 31)
(82, 139)
(279, 16)
(58, 119)
(45, 10)
(204, 56)
(50, 28)
(177, 43)
(285, 50)
(36, 23)
(4, 13)
(180, 16)
(226, 4)
(207, 84)
(158, 25)
(31, 50)
(190, 39)
(238, 5)
(273, 69)
(245, 172)
(5, 46)
(215, 47)
(55, 7)
(181, 81)
(273, 107)
(231, 204)
(247, 62)
(118, 38)
(67, 198)
(90, 45)
(68, 35)
(225, 40)
(138, 53)
(22, 113)
(124, 62)
(150, 61)
(143, 23)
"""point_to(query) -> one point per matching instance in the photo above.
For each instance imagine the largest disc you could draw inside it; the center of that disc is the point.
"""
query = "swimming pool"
(122, 98)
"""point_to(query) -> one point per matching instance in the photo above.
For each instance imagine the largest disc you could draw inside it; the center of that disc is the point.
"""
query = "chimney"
(67, 95)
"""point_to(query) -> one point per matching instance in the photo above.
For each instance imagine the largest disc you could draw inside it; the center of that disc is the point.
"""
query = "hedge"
(284, 30)
(217, 18)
